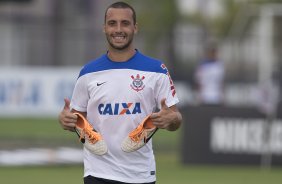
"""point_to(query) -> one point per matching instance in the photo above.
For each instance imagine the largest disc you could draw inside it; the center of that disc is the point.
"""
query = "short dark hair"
(122, 5)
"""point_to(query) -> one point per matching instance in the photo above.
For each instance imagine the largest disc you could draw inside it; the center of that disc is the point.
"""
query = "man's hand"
(168, 118)
(66, 118)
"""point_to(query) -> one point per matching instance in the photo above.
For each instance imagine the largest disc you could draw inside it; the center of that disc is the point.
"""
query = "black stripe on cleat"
(147, 140)
(82, 140)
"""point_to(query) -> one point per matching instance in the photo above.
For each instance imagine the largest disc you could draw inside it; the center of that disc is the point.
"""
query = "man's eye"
(126, 23)
(111, 23)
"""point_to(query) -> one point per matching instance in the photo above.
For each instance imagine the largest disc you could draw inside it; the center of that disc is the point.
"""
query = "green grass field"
(169, 172)
(47, 132)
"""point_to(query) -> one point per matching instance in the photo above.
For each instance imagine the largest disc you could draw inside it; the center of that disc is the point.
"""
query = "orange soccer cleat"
(91, 139)
(139, 136)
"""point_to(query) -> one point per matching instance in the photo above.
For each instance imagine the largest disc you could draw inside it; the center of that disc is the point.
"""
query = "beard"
(120, 46)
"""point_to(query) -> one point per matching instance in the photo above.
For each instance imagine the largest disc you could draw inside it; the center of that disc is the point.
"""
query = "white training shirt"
(117, 96)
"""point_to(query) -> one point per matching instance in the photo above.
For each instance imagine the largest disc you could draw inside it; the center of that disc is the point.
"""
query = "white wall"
(35, 91)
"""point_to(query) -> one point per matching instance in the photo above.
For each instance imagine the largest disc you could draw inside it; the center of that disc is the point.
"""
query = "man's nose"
(119, 27)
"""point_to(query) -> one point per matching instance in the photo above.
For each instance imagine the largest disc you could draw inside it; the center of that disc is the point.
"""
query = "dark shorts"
(94, 180)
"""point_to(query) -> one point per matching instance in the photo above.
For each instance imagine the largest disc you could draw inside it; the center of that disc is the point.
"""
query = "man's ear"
(136, 28)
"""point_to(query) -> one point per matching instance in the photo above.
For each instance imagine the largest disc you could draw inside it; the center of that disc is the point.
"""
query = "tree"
(157, 20)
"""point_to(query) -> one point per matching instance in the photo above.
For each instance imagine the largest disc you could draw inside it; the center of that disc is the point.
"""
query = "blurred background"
(43, 45)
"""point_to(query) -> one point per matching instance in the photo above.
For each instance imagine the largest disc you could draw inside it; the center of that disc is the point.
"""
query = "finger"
(66, 117)
(70, 120)
(69, 126)
(159, 125)
(67, 104)
(157, 120)
(163, 104)
(153, 115)
(72, 117)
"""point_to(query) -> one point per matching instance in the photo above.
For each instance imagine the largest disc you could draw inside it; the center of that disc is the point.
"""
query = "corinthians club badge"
(137, 83)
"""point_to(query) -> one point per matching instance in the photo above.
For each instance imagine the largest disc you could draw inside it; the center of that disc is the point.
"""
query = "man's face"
(119, 28)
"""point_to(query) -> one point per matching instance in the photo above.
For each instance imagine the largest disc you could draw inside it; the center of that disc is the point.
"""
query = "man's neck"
(121, 56)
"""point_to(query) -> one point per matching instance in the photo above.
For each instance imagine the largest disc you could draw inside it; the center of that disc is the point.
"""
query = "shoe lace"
(138, 134)
(93, 137)
(87, 130)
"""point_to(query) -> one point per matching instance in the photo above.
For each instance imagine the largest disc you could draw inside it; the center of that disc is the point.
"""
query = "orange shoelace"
(93, 137)
(87, 130)
(139, 133)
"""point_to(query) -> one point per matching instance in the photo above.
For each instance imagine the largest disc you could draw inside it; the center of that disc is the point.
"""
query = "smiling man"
(120, 29)
(119, 101)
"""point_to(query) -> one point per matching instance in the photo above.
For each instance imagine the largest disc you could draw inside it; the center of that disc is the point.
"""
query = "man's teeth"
(119, 37)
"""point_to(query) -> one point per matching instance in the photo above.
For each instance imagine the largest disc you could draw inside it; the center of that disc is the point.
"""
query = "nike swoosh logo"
(99, 84)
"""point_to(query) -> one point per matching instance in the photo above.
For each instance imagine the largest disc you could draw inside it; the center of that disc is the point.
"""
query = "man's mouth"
(119, 38)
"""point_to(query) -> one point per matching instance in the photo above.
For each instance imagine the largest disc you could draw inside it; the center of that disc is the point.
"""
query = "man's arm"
(168, 118)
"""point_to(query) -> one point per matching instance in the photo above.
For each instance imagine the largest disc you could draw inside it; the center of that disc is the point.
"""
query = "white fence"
(35, 91)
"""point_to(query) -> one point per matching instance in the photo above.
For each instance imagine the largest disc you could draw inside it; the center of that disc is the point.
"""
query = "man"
(115, 93)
